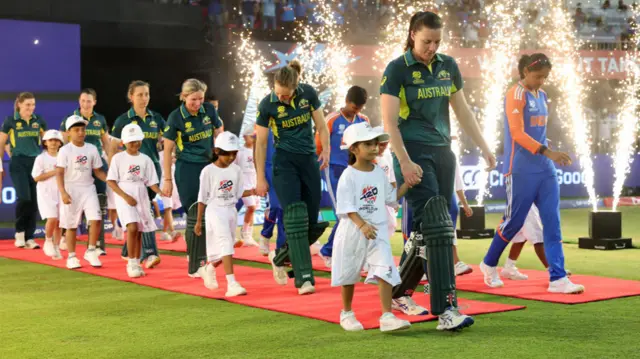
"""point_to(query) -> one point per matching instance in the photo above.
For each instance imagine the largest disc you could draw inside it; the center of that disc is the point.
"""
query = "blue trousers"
(331, 176)
(274, 214)
(522, 191)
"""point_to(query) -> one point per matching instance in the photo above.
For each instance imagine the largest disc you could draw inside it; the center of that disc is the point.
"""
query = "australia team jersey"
(525, 131)
(337, 124)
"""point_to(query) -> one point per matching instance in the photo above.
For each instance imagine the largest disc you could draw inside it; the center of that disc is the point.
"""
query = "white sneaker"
(91, 256)
(101, 252)
(264, 246)
(63, 244)
(315, 248)
(31, 244)
(56, 254)
(513, 274)
(194, 275)
(20, 242)
(462, 268)
(424, 278)
(451, 319)
(152, 261)
(166, 237)
(279, 273)
(390, 323)
(307, 288)
(327, 261)
(208, 274)
(73, 263)
(491, 276)
(565, 286)
(408, 306)
(134, 271)
(175, 235)
(349, 322)
(247, 238)
(235, 289)
(48, 249)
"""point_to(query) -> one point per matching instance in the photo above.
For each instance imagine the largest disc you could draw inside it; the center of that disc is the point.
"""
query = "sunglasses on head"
(538, 62)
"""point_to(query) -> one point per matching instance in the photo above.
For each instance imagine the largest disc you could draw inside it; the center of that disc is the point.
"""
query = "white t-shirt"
(459, 185)
(45, 163)
(79, 163)
(366, 193)
(386, 163)
(221, 187)
(245, 161)
(126, 168)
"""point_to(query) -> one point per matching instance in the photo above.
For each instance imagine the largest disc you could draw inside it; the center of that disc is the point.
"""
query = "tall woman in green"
(151, 124)
(190, 131)
(24, 131)
(290, 111)
(416, 91)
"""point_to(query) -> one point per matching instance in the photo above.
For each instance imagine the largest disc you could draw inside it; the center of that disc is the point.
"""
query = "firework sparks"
(563, 45)
(502, 46)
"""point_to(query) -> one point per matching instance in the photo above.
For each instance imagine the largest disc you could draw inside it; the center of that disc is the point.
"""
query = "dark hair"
(44, 144)
(22, 96)
(419, 20)
(135, 84)
(211, 98)
(221, 152)
(357, 95)
(352, 158)
(289, 76)
(535, 62)
(89, 91)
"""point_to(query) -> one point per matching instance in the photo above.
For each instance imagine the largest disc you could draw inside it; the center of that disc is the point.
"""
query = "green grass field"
(52, 313)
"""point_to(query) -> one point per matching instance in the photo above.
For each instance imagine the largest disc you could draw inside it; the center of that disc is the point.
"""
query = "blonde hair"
(133, 85)
(22, 96)
(191, 86)
(289, 76)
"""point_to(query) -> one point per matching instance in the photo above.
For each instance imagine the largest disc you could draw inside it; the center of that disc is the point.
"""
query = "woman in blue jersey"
(530, 175)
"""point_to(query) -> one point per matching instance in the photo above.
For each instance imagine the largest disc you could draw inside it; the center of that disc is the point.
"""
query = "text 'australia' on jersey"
(24, 136)
(291, 123)
(193, 134)
(525, 131)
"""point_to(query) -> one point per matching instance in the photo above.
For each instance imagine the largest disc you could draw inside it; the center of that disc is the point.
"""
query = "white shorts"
(48, 206)
(83, 199)
(251, 201)
(392, 220)
(111, 198)
(141, 213)
(532, 229)
(221, 225)
(351, 250)
(172, 202)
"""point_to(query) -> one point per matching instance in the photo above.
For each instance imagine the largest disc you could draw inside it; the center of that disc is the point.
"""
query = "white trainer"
(63, 244)
(565, 286)
(513, 273)
(56, 254)
(48, 249)
(31, 244)
(208, 274)
(247, 238)
(165, 237)
(101, 252)
(491, 276)
(73, 263)
(315, 248)
(307, 288)
(408, 306)
(462, 268)
(452, 319)
(279, 273)
(91, 256)
(194, 275)
(264, 246)
(235, 289)
(349, 322)
(390, 323)
(134, 271)
(152, 261)
(20, 242)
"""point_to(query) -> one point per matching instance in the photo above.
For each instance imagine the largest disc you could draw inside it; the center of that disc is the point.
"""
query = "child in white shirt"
(362, 235)
(248, 168)
(220, 189)
(385, 161)
(130, 173)
(170, 204)
(76, 162)
(44, 173)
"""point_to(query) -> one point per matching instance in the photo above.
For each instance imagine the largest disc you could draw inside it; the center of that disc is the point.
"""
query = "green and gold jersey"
(25, 136)
(96, 128)
(152, 125)
(193, 134)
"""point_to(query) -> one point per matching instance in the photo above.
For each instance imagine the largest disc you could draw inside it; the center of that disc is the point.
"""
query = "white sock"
(72, 254)
(132, 261)
(231, 278)
(137, 261)
(48, 239)
(246, 227)
(510, 263)
(92, 247)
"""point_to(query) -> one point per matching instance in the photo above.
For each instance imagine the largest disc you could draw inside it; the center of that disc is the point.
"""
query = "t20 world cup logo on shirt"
(226, 186)
(81, 160)
(134, 170)
(369, 194)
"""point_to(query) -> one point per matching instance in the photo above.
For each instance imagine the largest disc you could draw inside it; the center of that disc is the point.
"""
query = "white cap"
(132, 133)
(74, 119)
(227, 141)
(361, 132)
(380, 129)
(52, 135)
(249, 131)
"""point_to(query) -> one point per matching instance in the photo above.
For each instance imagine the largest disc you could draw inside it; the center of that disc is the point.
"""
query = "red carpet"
(324, 305)
(535, 288)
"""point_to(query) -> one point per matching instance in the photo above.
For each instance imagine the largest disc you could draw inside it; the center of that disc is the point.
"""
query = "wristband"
(542, 149)
(168, 179)
(362, 225)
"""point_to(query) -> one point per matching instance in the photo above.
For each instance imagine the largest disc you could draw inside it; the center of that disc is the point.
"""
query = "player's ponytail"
(534, 62)
(419, 20)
